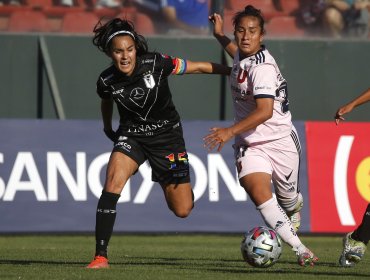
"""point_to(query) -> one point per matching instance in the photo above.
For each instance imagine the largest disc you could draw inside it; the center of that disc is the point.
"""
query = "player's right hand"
(218, 23)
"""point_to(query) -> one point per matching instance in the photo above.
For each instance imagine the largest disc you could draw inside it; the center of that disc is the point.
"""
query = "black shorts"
(165, 152)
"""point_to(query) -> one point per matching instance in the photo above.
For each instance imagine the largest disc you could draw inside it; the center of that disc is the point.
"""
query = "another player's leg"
(286, 160)
(120, 168)
(293, 207)
(355, 243)
(170, 166)
(258, 188)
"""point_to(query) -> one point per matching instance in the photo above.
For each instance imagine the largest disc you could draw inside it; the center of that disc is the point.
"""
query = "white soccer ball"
(261, 247)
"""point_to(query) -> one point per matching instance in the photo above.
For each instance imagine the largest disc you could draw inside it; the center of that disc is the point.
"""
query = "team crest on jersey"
(149, 81)
(242, 75)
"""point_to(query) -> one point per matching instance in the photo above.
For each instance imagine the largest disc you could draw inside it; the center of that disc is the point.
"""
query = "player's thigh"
(286, 161)
(258, 186)
(168, 158)
(254, 171)
(120, 168)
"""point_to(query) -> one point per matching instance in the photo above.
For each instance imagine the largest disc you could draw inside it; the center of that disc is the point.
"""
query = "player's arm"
(263, 112)
(219, 136)
(198, 67)
(106, 107)
(361, 99)
(229, 46)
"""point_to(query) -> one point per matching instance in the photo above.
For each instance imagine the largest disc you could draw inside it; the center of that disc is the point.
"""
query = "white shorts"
(279, 158)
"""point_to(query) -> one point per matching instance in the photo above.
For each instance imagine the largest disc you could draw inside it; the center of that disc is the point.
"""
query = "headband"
(120, 32)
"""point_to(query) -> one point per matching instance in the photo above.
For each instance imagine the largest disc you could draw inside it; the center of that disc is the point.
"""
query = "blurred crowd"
(292, 18)
(336, 18)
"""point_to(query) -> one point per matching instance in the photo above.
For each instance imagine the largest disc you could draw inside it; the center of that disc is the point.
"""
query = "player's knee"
(182, 212)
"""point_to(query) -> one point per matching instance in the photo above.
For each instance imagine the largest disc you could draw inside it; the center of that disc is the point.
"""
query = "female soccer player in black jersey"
(149, 126)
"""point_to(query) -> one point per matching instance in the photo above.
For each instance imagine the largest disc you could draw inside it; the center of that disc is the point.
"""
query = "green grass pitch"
(169, 257)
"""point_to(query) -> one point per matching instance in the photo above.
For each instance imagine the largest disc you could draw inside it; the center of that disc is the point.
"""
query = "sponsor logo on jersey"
(137, 96)
(262, 87)
(147, 61)
(118, 91)
(144, 128)
(241, 92)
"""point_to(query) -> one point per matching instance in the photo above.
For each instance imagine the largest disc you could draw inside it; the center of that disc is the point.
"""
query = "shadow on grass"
(208, 265)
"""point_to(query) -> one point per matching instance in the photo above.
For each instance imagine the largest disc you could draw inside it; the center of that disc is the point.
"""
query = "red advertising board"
(338, 159)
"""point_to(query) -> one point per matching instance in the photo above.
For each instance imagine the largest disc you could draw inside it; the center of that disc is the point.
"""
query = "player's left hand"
(218, 137)
(111, 134)
(342, 111)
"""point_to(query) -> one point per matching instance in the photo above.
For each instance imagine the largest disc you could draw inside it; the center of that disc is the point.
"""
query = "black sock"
(105, 218)
(362, 233)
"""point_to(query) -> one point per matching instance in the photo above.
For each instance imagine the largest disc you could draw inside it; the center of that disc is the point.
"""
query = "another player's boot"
(305, 256)
(353, 251)
(99, 262)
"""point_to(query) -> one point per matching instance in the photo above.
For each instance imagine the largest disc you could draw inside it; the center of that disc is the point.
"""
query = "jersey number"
(282, 94)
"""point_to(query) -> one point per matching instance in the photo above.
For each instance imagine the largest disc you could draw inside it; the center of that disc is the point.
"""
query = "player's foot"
(295, 219)
(99, 262)
(305, 256)
(353, 251)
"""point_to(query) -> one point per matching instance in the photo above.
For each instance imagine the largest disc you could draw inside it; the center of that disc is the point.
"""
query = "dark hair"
(250, 11)
(104, 35)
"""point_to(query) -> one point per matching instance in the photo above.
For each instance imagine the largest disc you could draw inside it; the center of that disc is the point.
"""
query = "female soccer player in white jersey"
(266, 142)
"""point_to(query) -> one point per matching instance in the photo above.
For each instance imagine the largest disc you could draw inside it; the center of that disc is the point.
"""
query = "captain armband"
(180, 66)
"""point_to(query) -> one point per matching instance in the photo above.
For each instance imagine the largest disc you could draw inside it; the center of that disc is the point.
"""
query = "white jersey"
(258, 76)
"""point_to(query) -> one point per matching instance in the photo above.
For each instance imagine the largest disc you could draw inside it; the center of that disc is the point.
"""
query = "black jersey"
(144, 99)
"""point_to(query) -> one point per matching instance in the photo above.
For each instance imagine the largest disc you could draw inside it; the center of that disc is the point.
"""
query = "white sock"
(276, 218)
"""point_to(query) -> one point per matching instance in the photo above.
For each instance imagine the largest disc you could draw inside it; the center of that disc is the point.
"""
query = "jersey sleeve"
(102, 89)
(264, 81)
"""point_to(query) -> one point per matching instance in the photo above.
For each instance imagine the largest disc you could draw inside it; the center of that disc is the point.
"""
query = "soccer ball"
(261, 247)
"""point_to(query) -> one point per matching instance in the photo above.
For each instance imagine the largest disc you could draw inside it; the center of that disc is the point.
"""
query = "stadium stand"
(280, 16)
(28, 21)
(6, 11)
(143, 23)
(267, 7)
(284, 26)
(54, 13)
(79, 22)
(289, 7)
